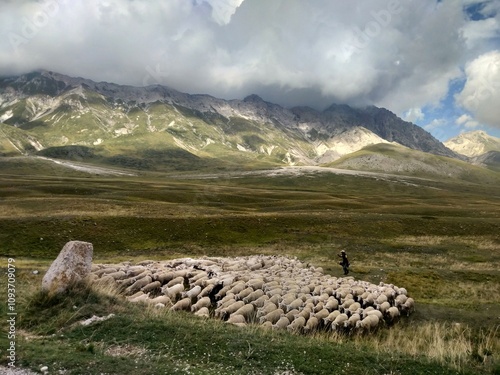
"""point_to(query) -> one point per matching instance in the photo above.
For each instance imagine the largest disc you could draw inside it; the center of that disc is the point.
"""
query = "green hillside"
(395, 159)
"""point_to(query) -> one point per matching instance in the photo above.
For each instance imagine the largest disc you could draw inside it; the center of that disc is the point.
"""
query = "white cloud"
(463, 119)
(481, 93)
(475, 32)
(413, 114)
(467, 121)
(399, 54)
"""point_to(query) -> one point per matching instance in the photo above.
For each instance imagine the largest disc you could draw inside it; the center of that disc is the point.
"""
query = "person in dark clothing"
(344, 262)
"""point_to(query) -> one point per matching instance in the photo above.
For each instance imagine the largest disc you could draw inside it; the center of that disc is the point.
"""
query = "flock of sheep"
(275, 292)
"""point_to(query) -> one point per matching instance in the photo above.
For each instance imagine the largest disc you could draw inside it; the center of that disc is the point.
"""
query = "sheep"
(119, 275)
(281, 289)
(311, 325)
(225, 312)
(223, 292)
(275, 292)
(151, 286)
(384, 307)
(331, 304)
(203, 302)
(400, 300)
(135, 271)
(236, 319)
(392, 313)
(297, 324)
(203, 312)
(175, 281)
(141, 298)
(192, 293)
(103, 271)
(272, 316)
(227, 297)
(259, 302)
(408, 306)
(206, 291)
(162, 299)
(164, 277)
(322, 314)
(369, 300)
(305, 313)
(351, 322)
(374, 312)
(246, 311)
(292, 314)
(295, 304)
(174, 291)
(183, 304)
(381, 299)
(282, 323)
(244, 293)
(267, 308)
(286, 299)
(339, 320)
(353, 308)
(255, 295)
(238, 287)
(198, 276)
(331, 317)
(138, 284)
(368, 323)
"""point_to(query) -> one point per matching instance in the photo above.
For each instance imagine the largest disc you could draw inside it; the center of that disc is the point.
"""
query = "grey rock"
(73, 263)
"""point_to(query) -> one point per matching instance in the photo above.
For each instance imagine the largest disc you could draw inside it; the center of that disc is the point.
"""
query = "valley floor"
(437, 238)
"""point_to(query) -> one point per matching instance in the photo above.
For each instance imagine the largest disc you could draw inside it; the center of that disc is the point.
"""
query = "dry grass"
(447, 343)
(480, 243)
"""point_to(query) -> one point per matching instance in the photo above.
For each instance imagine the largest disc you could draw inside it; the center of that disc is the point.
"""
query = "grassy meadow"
(438, 239)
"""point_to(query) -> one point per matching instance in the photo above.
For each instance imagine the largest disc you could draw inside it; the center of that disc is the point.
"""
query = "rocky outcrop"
(73, 263)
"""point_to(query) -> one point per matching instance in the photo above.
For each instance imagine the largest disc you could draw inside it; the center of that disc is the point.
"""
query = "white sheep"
(311, 325)
(322, 314)
(151, 286)
(368, 323)
(282, 323)
(272, 316)
(408, 306)
(192, 293)
(175, 281)
(138, 284)
(173, 292)
(236, 319)
(202, 302)
(203, 312)
(384, 307)
(297, 324)
(246, 311)
(392, 313)
(339, 321)
(183, 304)
(255, 295)
(225, 312)
(162, 299)
(351, 322)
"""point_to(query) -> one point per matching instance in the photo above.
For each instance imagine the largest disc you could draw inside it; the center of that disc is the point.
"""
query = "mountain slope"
(473, 143)
(133, 124)
(397, 159)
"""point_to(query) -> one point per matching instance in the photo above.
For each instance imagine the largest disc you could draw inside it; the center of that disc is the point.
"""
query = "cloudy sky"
(435, 63)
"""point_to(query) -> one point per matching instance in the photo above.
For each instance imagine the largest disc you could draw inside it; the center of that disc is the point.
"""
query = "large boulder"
(73, 263)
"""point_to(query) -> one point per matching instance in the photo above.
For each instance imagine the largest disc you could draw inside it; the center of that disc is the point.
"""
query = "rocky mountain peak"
(474, 143)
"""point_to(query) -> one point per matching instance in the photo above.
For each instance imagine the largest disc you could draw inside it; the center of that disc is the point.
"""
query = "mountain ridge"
(55, 110)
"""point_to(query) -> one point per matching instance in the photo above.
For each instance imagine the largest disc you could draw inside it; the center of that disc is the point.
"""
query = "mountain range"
(157, 128)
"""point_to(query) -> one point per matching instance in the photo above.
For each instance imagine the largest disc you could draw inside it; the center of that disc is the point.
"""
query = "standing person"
(344, 262)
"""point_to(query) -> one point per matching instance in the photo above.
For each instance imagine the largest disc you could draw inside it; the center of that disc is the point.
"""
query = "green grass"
(438, 239)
